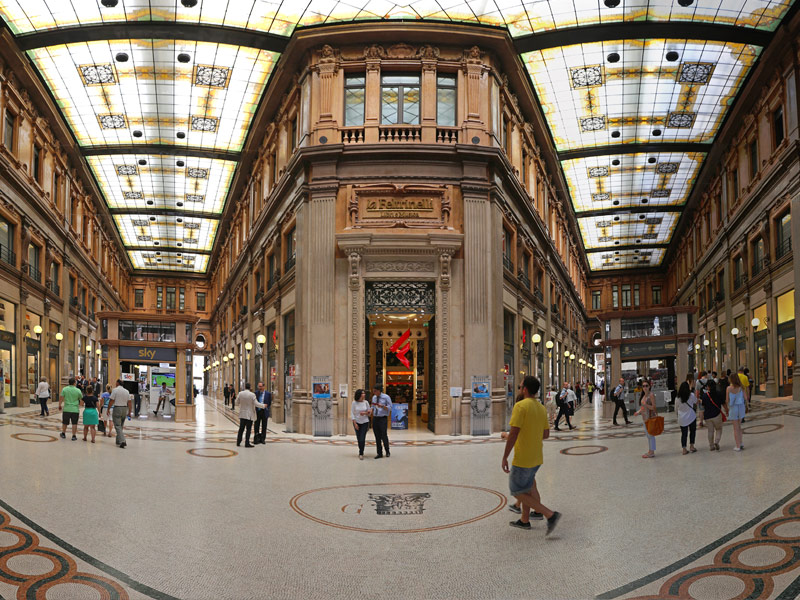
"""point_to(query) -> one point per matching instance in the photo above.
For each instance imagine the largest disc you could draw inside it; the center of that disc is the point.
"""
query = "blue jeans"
(361, 436)
(651, 440)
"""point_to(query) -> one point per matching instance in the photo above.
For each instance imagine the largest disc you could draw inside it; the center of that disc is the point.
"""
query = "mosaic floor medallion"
(397, 507)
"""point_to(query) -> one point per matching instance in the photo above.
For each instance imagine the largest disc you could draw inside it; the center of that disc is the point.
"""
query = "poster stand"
(321, 406)
(481, 405)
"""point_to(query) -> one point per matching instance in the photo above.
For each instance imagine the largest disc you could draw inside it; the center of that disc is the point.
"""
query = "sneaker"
(537, 516)
(122, 445)
(379, 456)
(63, 435)
(360, 457)
(74, 438)
(716, 447)
(518, 523)
(515, 509)
(552, 522)
(737, 449)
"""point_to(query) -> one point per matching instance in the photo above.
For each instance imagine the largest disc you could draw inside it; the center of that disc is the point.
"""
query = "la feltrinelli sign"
(397, 205)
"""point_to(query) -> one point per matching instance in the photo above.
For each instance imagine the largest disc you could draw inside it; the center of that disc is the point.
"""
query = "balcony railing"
(54, 287)
(259, 295)
(538, 294)
(273, 279)
(507, 263)
(446, 135)
(243, 311)
(523, 279)
(784, 247)
(289, 264)
(34, 273)
(7, 255)
(400, 133)
(353, 135)
(739, 281)
(758, 266)
(74, 301)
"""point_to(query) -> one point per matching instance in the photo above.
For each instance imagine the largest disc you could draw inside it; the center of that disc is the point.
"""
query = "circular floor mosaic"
(34, 437)
(762, 428)
(212, 452)
(397, 507)
(583, 450)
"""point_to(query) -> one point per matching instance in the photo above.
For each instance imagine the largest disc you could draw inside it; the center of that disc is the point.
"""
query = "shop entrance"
(400, 349)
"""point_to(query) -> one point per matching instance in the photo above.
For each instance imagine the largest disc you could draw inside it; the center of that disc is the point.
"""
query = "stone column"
(355, 335)
(23, 391)
(443, 418)
(372, 92)
(476, 89)
(547, 380)
(327, 69)
(773, 354)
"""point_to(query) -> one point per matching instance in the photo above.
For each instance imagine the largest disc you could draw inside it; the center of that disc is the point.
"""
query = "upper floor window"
(200, 300)
(734, 183)
(596, 300)
(8, 130)
(7, 242)
(656, 294)
(784, 235)
(738, 272)
(33, 261)
(752, 154)
(181, 298)
(291, 248)
(636, 294)
(446, 100)
(37, 163)
(272, 265)
(615, 296)
(170, 298)
(507, 237)
(159, 297)
(400, 99)
(354, 94)
(55, 278)
(293, 133)
(758, 255)
(626, 296)
(777, 126)
(138, 298)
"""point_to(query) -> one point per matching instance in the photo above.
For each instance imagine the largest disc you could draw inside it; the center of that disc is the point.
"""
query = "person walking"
(90, 416)
(744, 380)
(381, 410)
(119, 407)
(687, 417)
(736, 398)
(247, 412)
(96, 388)
(564, 406)
(648, 411)
(528, 428)
(43, 395)
(227, 393)
(618, 396)
(700, 383)
(262, 414)
(71, 399)
(105, 413)
(233, 397)
(578, 393)
(712, 409)
(359, 414)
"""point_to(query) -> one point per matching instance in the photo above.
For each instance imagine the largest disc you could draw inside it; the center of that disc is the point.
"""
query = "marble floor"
(183, 513)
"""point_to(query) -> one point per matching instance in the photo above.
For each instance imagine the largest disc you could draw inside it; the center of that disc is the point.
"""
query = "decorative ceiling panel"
(631, 180)
(163, 181)
(637, 91)
(189, 94)
(281, 17)
(625, 259)
(169, 261)
(627, 229)
(168, 231)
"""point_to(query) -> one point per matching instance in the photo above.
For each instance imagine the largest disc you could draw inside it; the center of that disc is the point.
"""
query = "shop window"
(354, 94)
(170, 298)
(400, 99)
(200, 299)
(752, 155)
(446, 100)
(181, 298)
(159, 297)
(37, 163)
(777, 126)
(786, 342)
(784, 235)
(656, 294)
(138, 298)
(626, 296)
(615, 296)
(8, 130)
(596, 300)
(7, 242)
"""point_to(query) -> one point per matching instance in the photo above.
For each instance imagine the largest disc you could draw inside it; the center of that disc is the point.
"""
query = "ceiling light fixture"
(121, 57)
(184, 58)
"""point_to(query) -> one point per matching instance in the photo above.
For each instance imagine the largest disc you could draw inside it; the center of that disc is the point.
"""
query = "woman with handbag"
(648, 411)
(359, 413)
(714, 416)
(735, 398)
(687, 417)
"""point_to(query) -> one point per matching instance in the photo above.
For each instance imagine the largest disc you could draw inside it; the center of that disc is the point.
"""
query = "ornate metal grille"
(400, 296)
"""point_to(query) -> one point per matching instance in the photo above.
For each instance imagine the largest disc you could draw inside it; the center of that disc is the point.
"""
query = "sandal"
(648, 455)
(685, 452)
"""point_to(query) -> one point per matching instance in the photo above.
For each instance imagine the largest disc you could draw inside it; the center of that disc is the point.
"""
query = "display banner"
(400, 416)
(649, 350)
(287, 403)
(481, 405)
(154, 354)
(321, 406)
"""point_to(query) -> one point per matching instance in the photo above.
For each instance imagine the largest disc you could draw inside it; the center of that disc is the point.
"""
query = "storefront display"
(761, 347)
(7, 353)
(786, 342)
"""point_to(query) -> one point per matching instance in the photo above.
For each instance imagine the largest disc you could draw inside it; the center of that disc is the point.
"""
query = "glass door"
(786, 344)
(762, 363)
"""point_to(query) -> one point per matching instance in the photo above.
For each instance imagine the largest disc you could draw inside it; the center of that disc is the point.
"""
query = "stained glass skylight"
(281, 17)
(142, 92)
(169, 261)
(627, 229)
(168, 231)
(625, 259)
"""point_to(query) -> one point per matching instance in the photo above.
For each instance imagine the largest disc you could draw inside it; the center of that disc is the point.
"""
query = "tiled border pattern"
(571, 451)
(676, 579)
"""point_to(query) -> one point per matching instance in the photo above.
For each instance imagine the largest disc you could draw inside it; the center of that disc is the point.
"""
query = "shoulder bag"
(722, 412)
(654, 425)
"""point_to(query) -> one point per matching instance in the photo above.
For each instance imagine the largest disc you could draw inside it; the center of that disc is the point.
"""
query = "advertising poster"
(481, 405)
(321, 406)
(159, 375)
(400, 416)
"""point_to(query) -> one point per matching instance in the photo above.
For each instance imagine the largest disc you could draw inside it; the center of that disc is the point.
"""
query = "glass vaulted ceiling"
(162, 121)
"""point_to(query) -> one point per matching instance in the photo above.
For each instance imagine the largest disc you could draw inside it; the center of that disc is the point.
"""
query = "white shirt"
(358, 407)
(43, 390)
(248, 404)
(686, 414)
(120, 397)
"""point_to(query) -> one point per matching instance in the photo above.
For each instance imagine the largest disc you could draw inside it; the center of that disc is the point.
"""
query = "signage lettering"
(148, 354)
(395, 204)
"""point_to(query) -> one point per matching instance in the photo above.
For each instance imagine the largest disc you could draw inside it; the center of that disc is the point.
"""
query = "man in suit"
(247, 412)
(618, 396)
(227, 393)
(262, 414)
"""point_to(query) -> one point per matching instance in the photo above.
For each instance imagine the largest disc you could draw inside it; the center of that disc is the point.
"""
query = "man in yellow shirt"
(529, 427)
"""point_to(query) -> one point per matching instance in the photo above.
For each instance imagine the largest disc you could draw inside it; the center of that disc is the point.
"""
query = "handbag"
(724, 416)
(655, 425)
(101, 426)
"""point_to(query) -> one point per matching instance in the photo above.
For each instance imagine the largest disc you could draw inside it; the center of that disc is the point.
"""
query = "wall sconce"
(536, 338)
(755, 322)
(697, 346)
(566, 353)
(230, 355)
(59, 336)
(224, 359)
(735, 331)
(261, 339)
(248, 346)
(549, 344)
(98, 352)
(706, 343)
(37, 329)
(572, 357)
(88, 347)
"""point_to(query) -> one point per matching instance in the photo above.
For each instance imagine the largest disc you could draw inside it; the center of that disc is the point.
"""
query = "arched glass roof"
(633, 91)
